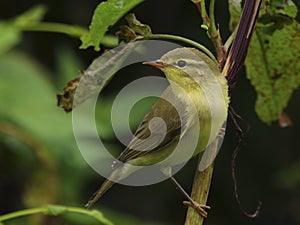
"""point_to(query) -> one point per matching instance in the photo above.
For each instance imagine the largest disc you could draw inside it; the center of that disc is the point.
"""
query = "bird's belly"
(194, 141)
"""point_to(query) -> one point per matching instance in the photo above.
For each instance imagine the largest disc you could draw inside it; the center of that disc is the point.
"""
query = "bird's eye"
(181, 63)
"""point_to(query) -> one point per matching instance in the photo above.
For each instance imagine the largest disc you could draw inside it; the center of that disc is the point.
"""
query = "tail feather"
(118, 174)
(98, 194)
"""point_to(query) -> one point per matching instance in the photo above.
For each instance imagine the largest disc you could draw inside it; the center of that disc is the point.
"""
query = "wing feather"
(162, 134)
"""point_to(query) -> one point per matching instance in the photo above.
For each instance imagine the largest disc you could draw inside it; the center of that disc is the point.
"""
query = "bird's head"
(188, 66)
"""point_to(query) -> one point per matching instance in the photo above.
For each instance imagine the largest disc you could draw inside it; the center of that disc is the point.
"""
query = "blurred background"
(41, 164)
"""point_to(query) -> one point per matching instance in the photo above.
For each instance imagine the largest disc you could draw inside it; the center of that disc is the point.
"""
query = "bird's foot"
(200, 209)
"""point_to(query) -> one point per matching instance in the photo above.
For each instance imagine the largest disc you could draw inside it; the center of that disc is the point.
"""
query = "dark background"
(268, 166)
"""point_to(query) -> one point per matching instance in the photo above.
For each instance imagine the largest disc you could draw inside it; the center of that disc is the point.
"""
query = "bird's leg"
(200, 208)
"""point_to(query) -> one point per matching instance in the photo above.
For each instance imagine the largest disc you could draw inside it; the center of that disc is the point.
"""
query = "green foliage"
(28, 97)
(56, 210)
(33, 15)
(31, 21)
(9, 37)
(16, 70)
(10, 31)
(27, 94)
(106, 14)
(30, 104)
(282, 7)
(273, 60)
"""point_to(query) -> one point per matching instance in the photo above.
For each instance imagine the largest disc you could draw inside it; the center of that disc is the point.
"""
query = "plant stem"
(215, 36)
(202, 180)
(21, 213)
(71, 30)
(205, 17)
(200, 192)
(234, 62)
(213, 29)
(202, 10)
(55, 210)
(185, 40)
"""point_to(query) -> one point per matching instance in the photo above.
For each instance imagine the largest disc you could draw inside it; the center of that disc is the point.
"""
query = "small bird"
(197, 109)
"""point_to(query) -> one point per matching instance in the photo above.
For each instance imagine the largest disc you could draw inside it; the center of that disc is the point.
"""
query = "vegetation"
(43, 175)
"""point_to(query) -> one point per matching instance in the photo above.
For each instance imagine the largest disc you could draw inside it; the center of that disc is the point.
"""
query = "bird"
(193, 107)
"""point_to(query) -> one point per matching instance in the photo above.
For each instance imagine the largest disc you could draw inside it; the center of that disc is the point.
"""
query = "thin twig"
(212, 28)
(215, 36)
(233, 165)
(184, 40)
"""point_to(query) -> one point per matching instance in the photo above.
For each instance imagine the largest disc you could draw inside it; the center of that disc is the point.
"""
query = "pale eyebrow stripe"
(195, 62)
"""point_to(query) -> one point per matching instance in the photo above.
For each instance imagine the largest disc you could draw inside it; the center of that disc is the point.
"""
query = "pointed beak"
(157, 63)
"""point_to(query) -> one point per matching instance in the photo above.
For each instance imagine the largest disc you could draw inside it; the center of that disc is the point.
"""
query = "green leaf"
(35, 14)
(273, 66)
(28, 100)
(272, 61)
(283, 7)
(11, 30)
(10, 36)
(106, 14)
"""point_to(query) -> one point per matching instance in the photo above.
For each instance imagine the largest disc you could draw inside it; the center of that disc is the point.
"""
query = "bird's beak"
(157, 63)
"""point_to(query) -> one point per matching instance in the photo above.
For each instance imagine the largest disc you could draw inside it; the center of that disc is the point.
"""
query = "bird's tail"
(118, 174)
(98, 194)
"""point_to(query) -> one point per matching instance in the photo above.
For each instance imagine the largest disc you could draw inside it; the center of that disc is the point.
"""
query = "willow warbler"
(198, 102)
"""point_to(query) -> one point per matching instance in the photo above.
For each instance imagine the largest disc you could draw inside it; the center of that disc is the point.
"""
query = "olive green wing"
(162, 133)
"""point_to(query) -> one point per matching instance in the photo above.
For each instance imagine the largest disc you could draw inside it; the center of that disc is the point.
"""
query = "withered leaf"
(95, 78)
(135, 31)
